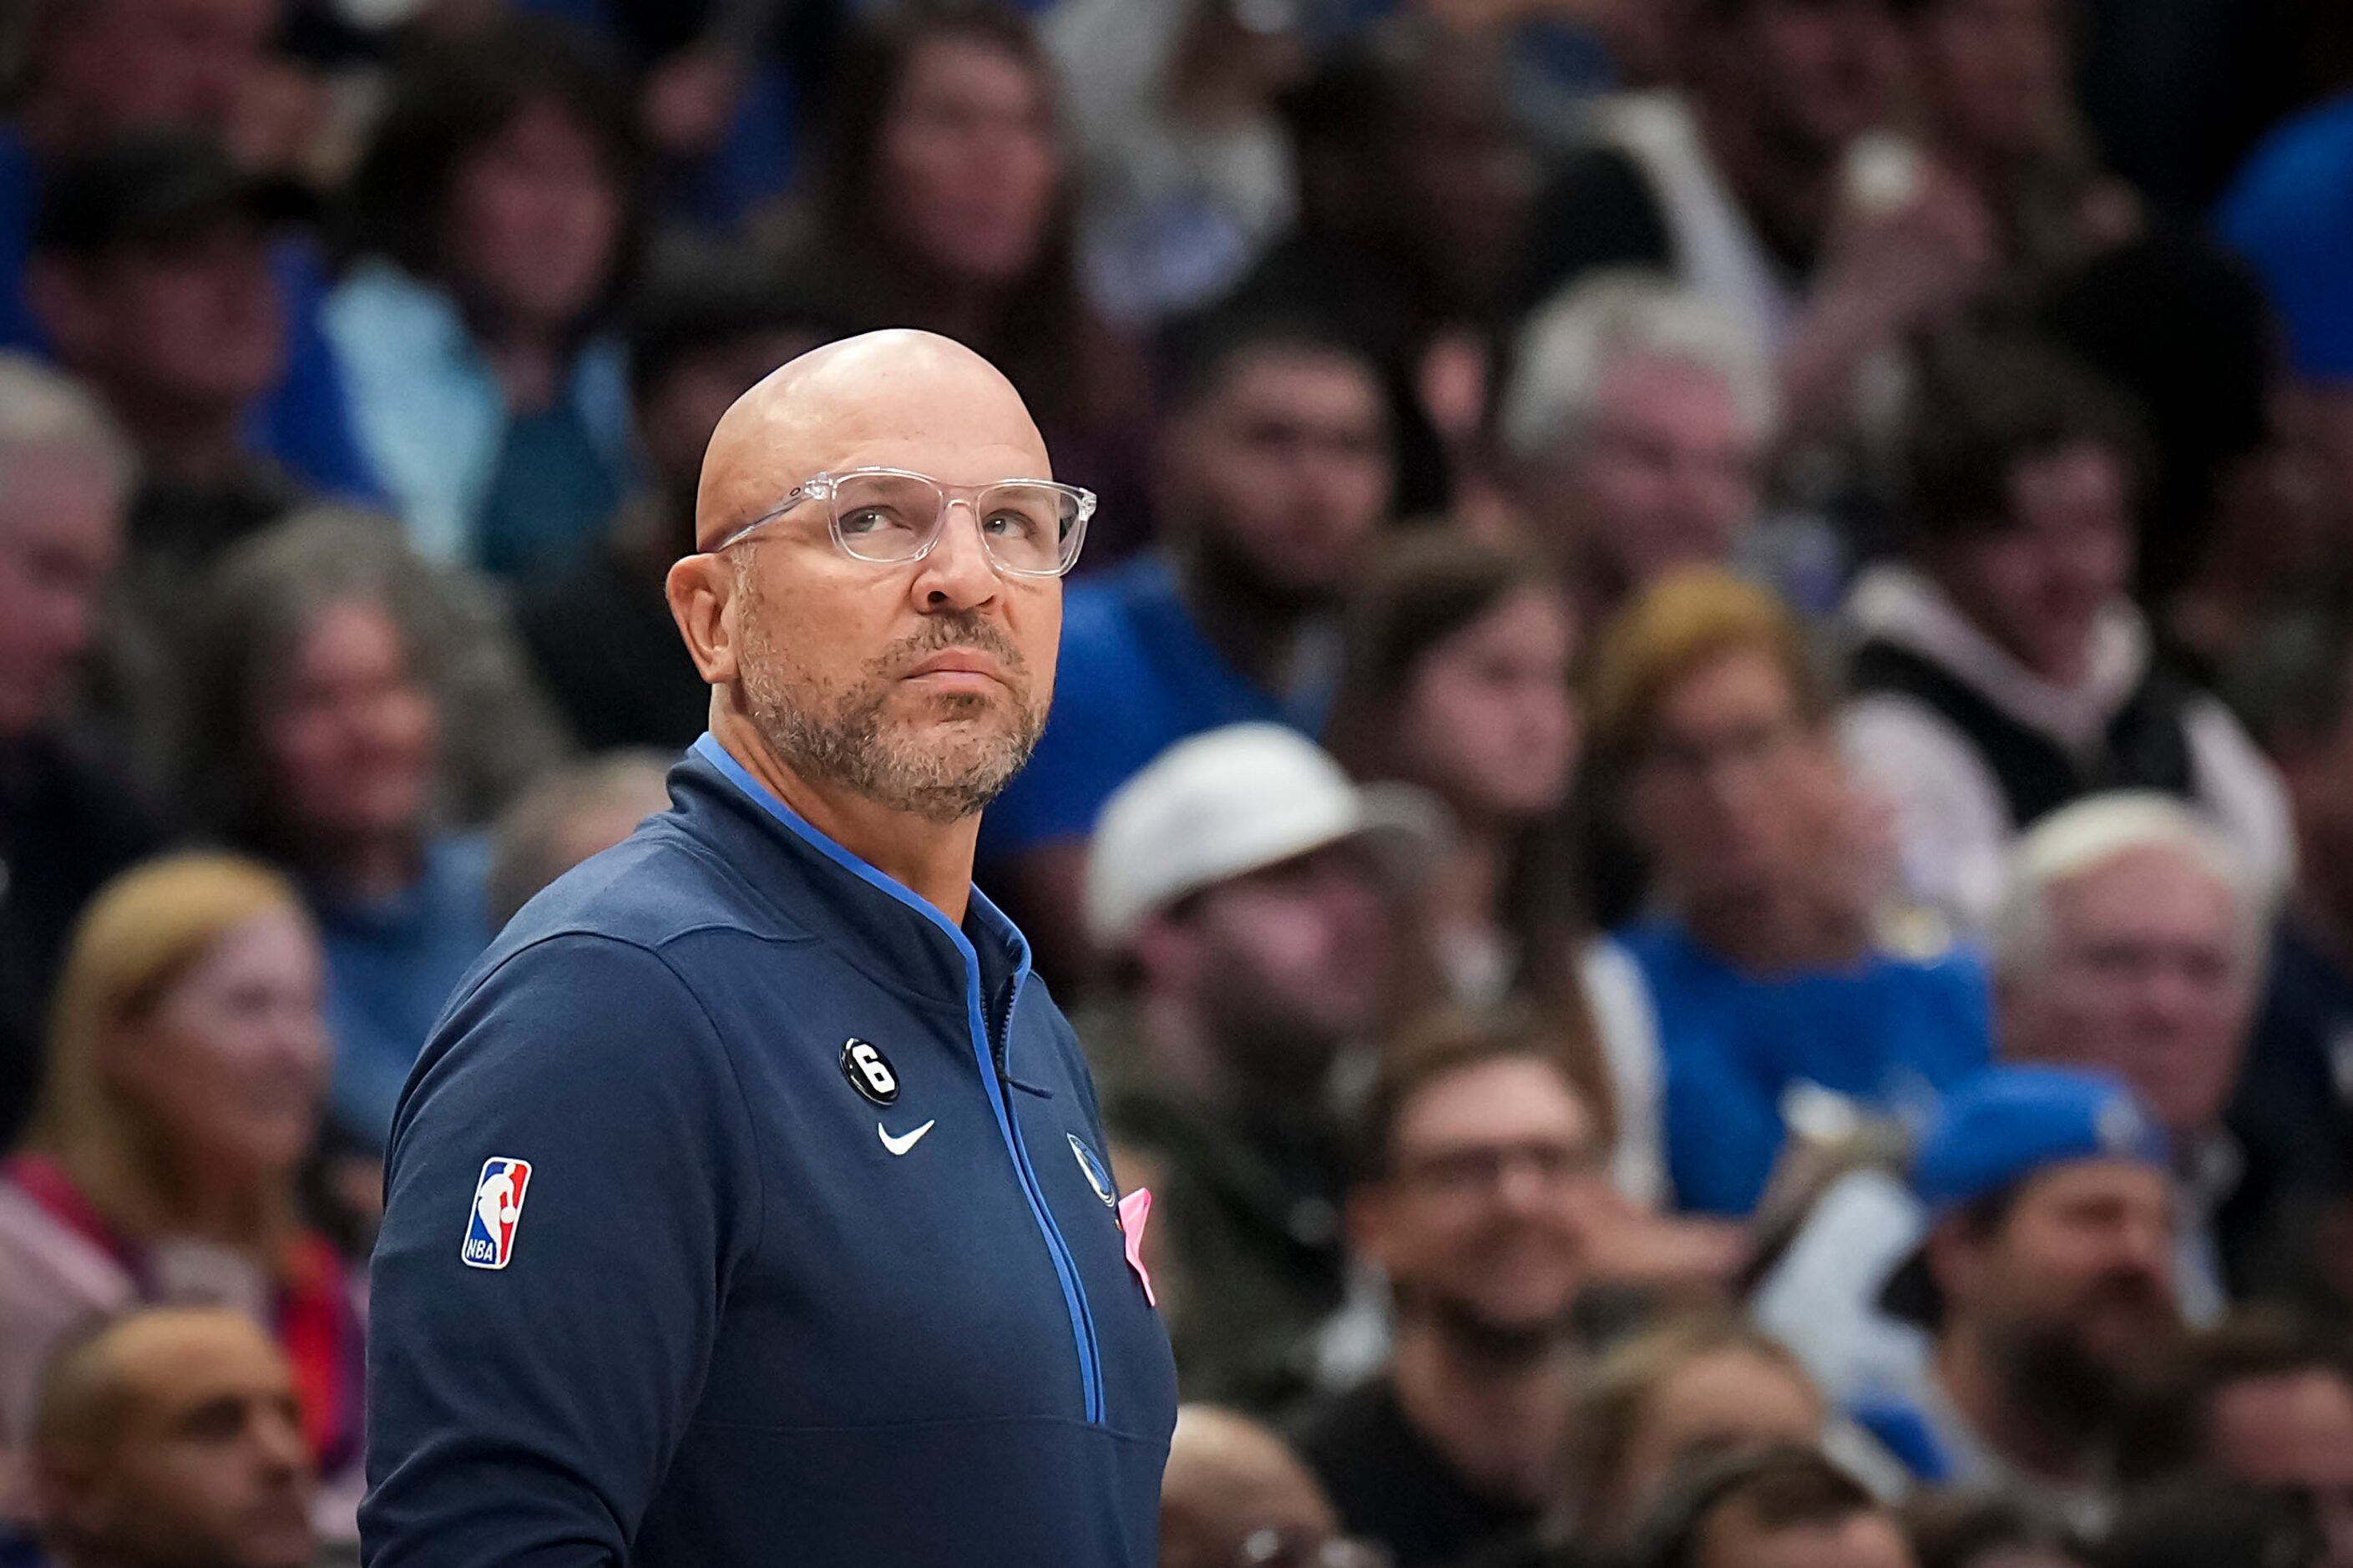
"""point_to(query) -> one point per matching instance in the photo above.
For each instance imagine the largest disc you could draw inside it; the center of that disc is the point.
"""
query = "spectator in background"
(151, 271)
(1681, 1392)
(67, 821)
(318, 735)
(565, 817)
(2297, 1086)
(493, 223)
(187, 1073)
(1234, 1495)
(1236, 883)
(1744, 191)
(2281, 215)
(1190, 175)
(704, 328)
(93, 70)
(2131, 941)
(2000, 671)
(1481, 1159)
(944, 198)
(1273, 479)
(172, 1436)
(1991, 91)
(1413, 185)
(1636, 429)
(1986, 1530)
(2203, 1523)
(1778, 1508)
(1456, 681)
(2264, 1399)
(1764, 965)
(2045, 1284)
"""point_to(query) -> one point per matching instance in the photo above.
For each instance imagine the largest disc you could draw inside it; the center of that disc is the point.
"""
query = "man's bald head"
(96, 1382)
(918, 683)
(172, 1435)
(870, 401)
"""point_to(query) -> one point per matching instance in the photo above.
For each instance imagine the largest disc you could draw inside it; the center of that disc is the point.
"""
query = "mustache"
(955, 628)
(2130, 1288)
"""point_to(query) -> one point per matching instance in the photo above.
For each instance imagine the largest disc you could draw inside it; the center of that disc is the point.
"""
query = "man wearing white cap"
(1236, 883)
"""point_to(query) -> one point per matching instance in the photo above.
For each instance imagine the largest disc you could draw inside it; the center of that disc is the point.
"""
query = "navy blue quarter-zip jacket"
(742, 1210)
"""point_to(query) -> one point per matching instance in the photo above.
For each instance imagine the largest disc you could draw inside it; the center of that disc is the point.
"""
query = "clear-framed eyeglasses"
(1307, 1549)
(1028, 528)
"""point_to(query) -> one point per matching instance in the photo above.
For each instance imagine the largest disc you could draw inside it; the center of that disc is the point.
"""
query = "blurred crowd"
(1699, 814)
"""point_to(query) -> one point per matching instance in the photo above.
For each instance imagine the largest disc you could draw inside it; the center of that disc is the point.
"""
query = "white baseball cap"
(1231, 800)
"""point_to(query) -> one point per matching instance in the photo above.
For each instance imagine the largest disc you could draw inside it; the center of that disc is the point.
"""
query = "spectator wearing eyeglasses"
(1481, 1165)
(1235, 1497)
(1638, 428)
(1771, 960)
(2264, 1399)
(2131, 941)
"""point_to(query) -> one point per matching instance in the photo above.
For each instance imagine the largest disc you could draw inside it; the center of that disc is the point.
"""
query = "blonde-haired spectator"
(187, 1072)
(1768, 964)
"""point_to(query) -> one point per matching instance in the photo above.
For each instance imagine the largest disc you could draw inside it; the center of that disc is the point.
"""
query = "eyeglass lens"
(1025, 527)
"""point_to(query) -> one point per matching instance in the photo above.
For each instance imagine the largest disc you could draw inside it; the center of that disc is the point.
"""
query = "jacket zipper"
(1074, 1291)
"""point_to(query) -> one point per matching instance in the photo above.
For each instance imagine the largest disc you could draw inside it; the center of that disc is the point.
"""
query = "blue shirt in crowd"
(743, 1209)
(2290, 213)
(1886, 1031)
(390, 965)
(1136, 675)
(305, 424)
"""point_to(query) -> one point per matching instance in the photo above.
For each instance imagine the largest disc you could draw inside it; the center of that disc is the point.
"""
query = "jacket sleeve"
(526, 1414)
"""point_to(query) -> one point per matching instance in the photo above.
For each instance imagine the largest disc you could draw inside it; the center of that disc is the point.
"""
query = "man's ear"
(702, 592)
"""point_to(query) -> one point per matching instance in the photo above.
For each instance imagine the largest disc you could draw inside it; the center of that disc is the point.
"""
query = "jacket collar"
(1897, 604)
(881, 925)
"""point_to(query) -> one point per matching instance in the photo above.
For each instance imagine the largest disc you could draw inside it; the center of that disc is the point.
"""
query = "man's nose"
(957, 573)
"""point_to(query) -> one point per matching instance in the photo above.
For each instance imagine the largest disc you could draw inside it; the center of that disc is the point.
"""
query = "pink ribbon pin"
(1134, 1210)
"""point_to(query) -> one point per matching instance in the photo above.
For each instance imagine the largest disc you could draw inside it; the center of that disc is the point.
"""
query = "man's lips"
(959, 666)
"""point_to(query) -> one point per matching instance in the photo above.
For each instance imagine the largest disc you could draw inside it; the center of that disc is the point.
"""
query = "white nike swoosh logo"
(901, 1145)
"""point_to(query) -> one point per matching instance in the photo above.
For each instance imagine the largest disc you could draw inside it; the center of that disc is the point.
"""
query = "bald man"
(750, 1203)
(172, 1438)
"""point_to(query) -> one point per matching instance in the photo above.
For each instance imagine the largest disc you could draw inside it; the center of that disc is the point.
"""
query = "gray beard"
(841, 739)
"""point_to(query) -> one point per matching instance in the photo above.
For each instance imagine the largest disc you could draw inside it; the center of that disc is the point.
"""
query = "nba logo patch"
(498, 1207)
